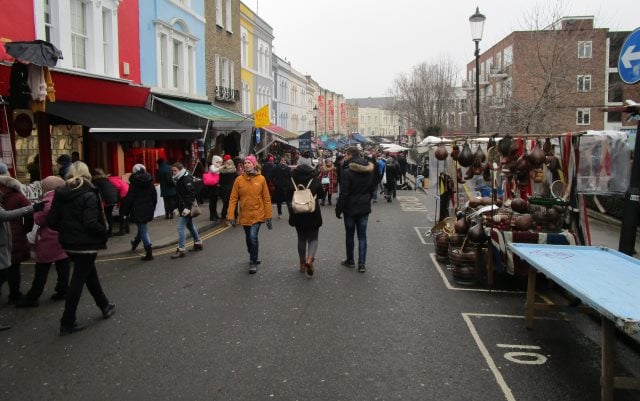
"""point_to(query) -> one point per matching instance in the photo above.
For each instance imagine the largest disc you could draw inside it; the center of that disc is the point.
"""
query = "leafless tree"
(423, 94)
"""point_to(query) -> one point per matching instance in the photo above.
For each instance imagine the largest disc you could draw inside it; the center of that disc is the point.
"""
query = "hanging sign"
(261, 116)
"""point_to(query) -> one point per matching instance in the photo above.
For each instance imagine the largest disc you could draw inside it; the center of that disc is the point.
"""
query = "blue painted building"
(172, 47)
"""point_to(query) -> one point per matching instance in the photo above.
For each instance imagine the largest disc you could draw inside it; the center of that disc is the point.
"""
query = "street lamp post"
(315, 121)
(399, 129)
(477, 26)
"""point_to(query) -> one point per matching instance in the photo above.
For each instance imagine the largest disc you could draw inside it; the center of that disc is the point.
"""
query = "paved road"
(202, 328)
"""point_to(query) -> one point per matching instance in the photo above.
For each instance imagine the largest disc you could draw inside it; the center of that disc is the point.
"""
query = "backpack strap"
(308, 184)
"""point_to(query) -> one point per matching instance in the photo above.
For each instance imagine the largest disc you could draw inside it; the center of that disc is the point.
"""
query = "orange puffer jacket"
(252, 193)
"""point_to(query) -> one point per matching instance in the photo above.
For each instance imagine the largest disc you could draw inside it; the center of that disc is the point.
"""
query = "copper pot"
(461, 226)
(519, 205)
(466, 156)
(441, 152)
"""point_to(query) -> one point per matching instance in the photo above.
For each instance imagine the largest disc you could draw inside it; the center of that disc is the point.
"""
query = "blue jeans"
(359, 224)
(182, 237)
(143, 235)
(251, 236)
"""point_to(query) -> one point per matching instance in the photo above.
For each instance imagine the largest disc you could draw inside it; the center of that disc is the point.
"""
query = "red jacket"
(12, 198)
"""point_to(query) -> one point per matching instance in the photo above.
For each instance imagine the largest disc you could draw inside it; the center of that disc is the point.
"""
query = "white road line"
(420, 235)
(517, 346)
(450, 287)
(508, 395)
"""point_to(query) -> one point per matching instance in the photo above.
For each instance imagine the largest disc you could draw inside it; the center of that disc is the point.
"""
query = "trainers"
(348, 263)
(64, 329)
(362, 269)
(253, 268)
(108, 310)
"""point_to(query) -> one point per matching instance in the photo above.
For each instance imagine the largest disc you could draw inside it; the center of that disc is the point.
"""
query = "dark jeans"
(12, 276)
(251, 236)
(84, 272)
(108, 213)
(214, 194)
(169, 204)
(225, 194)
(353, 224)
(63, 267)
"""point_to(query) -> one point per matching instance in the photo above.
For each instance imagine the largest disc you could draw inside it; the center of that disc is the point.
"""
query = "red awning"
(281, 132)
(410, 132)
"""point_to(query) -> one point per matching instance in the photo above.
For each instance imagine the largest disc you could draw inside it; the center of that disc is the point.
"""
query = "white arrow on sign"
(629, 56)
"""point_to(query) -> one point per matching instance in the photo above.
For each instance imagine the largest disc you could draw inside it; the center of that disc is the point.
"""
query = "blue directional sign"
(629, 60)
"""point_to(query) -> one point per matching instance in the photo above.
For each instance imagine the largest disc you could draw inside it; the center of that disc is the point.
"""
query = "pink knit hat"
(252, 159)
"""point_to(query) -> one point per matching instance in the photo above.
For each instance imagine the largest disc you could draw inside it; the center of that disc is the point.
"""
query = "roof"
(281, 132)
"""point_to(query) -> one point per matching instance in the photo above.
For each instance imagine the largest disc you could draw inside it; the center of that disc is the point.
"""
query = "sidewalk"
(163, 233)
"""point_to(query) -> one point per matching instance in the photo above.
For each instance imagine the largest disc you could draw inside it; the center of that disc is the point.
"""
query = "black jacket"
(77, 215)
(282, 181)
(185, 192)
(140, 202)
(107, 191)
(356, 186)
(301, 175)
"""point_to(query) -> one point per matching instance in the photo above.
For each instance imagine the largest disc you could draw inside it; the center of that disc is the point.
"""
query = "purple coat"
(48, 248)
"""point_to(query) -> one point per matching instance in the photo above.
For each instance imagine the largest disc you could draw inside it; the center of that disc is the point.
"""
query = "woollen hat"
(252, 159)
(63, 159)
(4, 170)
(216, 159)
(271, 159)
(137, 168)
(226, 157)
(51, 183)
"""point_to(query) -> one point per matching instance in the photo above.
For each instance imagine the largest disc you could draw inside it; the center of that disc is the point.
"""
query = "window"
(508, 56)
(584, 49)
(229, 15)
(219, 13)
(584, 83)
(499, 61)
(86, 31)
(177, 54)
(244, 55)
(48, 25)
(107, 45)
(78, 34)
(583, 116)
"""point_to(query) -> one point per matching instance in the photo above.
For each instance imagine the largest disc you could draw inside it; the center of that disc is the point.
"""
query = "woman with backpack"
(307, 224)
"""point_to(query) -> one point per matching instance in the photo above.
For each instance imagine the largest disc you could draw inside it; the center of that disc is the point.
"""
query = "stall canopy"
(221, 118)
(119, 123)
(359, 138)
(281, 132)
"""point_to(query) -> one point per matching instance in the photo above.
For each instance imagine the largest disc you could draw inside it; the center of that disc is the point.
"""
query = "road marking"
(168, 249)
(517, 346)
(411, 204)
(506, 390)
(422, 238)
(447, 284)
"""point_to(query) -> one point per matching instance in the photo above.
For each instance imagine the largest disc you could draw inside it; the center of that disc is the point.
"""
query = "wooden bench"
(605, 280)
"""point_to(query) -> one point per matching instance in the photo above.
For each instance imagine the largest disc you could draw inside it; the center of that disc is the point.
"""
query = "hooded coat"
(301, 175)
(48, 247)
(77, 215)
(356, 186)
(252, 193)
(140, 202)
(5, 232)
(13, 198)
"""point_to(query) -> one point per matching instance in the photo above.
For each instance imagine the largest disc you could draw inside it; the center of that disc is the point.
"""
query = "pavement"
(605, 231)
(163, 233)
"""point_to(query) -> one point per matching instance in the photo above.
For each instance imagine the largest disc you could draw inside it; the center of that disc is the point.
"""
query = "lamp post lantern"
(315, 121)
(477, 25)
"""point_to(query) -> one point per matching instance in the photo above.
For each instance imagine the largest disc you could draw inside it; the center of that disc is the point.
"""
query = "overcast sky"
(358, 47)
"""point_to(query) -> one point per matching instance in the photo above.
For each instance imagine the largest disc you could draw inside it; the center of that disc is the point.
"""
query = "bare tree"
(423, 95)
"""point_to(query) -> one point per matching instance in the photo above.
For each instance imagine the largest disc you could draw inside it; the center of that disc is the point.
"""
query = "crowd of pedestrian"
(75, 216)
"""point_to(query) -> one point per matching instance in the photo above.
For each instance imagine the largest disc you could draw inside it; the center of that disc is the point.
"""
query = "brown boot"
(179, 254)
(303, 266)
(309, 264)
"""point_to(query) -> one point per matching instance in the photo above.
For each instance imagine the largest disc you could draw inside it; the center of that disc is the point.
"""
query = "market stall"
(497, 191)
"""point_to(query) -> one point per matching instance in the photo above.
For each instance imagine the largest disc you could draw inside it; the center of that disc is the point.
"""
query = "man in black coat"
(354, 201)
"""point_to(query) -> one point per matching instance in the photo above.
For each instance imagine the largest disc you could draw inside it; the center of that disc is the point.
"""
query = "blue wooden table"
(605, 280)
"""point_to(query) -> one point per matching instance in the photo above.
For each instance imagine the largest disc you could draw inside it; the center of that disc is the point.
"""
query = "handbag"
(195, 209)
(210, 179)
(325, 181)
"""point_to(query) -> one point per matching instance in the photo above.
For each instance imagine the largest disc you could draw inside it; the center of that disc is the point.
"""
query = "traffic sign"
(629, 60)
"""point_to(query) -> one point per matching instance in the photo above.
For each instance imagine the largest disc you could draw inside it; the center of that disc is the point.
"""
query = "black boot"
(126, 225)
(148, 253)
(134, 244)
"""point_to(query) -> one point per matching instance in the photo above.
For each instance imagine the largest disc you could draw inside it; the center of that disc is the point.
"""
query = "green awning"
(221, 118)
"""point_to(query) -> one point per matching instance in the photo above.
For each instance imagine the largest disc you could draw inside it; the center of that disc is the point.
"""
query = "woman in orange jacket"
(251, 192)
